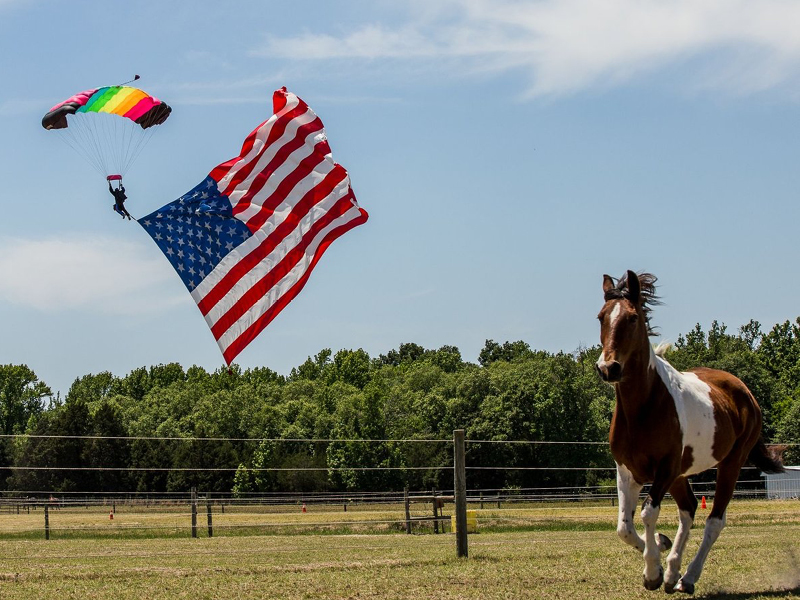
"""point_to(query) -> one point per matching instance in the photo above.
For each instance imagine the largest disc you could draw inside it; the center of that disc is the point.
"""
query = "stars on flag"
(201, 221)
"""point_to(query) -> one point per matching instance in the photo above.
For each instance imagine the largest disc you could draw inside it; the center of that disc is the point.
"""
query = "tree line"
(308, 423)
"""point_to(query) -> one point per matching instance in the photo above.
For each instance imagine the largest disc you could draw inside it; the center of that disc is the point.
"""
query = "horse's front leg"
(628, 493)
(654, 544)
(653, 571)
(682, 493)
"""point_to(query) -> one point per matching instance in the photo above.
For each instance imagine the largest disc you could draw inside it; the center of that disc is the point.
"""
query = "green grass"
(548, 552)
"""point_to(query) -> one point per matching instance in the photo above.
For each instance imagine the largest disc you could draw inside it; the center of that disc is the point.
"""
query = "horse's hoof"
(685, 587)
(654, 584)
(669, 588)
(664, 543)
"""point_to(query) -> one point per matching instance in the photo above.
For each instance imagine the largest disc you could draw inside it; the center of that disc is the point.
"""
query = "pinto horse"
(667, 426)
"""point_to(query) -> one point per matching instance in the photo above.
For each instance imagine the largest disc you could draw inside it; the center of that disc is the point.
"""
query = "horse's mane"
(647, 294)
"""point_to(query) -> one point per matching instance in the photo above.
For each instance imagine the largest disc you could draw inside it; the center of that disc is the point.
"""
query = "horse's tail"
(765, 459)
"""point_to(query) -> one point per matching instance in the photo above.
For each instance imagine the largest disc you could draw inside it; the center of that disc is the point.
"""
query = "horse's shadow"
(723, 595)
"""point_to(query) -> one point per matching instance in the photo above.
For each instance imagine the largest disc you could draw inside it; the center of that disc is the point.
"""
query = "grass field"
(535, 551)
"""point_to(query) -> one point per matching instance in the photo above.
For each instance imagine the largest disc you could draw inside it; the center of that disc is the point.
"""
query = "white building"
(783, 485)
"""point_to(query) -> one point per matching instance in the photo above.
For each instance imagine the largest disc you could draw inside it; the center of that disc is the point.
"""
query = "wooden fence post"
(408, 510)
(435, 512)
(208, 512)
(460, 492)
(194, 512)
(46, 522)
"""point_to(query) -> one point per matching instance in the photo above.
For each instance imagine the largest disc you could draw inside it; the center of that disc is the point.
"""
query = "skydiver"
(119, 200)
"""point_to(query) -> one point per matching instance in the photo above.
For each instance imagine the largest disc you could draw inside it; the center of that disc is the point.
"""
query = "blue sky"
(509, 154)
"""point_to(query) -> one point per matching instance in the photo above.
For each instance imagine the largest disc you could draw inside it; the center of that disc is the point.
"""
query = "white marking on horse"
(679, 545)
(710, 534)
(692, 398)
(628, 492)
(653, 571)
(615, 313)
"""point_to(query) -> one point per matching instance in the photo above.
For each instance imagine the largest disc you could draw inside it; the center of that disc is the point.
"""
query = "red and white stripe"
(295, 200)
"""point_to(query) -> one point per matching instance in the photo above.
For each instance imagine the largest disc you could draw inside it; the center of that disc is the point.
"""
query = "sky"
(509, 154)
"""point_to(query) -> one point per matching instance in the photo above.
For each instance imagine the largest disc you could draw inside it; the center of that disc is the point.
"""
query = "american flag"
(245, 240)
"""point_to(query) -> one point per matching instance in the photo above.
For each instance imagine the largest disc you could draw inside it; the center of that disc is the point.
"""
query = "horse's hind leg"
(681, 491)
(727, 474)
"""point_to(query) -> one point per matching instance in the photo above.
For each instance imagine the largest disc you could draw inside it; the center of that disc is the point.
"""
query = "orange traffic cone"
(111, 516)
(304, 507)
(703, 502)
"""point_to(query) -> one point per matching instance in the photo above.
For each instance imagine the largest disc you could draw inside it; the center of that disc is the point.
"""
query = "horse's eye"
(600, 317)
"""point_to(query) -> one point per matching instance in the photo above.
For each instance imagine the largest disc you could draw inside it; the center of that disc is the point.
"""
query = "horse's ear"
(608, 283)
(634, 288)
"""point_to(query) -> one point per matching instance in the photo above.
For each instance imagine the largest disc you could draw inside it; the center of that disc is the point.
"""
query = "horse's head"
(624, 322)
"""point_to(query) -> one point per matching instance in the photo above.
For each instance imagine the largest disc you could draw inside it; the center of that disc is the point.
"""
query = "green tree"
(352, 367)
(788, 430)
(59, 457)
(508, 351)
(22, 401)
(92, 388)
(22, 396)
(406, 353)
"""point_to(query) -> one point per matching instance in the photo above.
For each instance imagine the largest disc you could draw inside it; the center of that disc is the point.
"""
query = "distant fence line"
(185, 508)
(505, 495)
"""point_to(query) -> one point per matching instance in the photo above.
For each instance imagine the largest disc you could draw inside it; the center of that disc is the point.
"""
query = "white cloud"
(571, 45)
(101, 274)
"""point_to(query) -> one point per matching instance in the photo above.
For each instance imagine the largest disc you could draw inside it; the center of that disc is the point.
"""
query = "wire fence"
(158, 513)
(206, 515)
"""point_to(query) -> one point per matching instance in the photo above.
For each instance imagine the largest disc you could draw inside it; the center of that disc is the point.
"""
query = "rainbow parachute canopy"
(128, 102)
(108, 126)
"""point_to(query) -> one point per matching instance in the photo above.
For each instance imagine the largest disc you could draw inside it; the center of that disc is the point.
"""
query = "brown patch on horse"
(633, 429)
(736, 413)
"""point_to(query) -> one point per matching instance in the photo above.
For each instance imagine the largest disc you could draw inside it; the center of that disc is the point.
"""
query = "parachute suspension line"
(123, 142)
(69, 140)
(141, 142)
(124, 147)
(78, 137)
(128, 136)
(118, 130)
(91, 137)
(99, 136)
(109, 130)
(113, 152)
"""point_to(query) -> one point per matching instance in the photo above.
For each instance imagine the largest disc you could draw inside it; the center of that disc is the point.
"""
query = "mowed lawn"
(564, 551)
